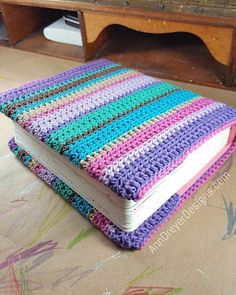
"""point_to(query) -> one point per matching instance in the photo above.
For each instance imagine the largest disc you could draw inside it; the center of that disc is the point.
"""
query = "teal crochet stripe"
(97, 140)
(107, 112)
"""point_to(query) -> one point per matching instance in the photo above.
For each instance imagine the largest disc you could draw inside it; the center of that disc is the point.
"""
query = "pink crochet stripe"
(100, 221)
(180, 160)
(196, 186)
(97, 167)
(154, 141)
(53, 109)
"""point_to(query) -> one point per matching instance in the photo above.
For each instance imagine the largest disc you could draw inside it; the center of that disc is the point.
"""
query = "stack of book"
(125, 149)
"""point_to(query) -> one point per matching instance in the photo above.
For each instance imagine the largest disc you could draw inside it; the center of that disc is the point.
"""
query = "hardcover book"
(125, 149)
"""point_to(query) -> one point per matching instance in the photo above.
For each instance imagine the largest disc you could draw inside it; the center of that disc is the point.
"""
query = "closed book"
(130, 147)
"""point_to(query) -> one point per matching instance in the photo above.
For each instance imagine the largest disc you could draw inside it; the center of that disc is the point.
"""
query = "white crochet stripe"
(131, 156)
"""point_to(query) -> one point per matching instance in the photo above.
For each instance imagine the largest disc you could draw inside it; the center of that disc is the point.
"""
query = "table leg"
(91, 49)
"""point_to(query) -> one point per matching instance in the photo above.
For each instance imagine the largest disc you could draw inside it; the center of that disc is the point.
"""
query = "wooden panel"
(170, 56)
(218, 40)
(220, 44)
(21, 21)
(84, 5)
(91, 50)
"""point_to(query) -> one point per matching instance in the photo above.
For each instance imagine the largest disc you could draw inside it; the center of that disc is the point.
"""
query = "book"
(127, 144)
(126, 214)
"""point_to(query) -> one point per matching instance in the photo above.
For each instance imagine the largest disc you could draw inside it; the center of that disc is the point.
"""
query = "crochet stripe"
(155, 141)
(97, 140)
(40, 86)
(66, 103)
(47, 99)
(165, 156)
(82, 105)
(98, 166)
(105, 114)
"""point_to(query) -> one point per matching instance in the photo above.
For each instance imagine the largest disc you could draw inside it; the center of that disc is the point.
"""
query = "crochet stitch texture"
(128, 240)
(124, 128)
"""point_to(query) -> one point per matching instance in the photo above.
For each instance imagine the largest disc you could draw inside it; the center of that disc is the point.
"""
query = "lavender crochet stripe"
(38, 85)
(70, 89)
(84, 106)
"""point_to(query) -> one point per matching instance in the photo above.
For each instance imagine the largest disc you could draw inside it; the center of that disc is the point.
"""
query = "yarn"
(124, 128)
(129, 240)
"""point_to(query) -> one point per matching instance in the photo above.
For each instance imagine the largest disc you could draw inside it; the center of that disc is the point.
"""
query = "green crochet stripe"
(97, 140)
(108, 112)
(63, 189)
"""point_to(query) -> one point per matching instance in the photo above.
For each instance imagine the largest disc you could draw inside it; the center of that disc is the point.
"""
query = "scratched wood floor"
(48, 248)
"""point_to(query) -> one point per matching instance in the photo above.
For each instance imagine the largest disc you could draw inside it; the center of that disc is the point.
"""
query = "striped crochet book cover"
(128, 240)
(124, 128)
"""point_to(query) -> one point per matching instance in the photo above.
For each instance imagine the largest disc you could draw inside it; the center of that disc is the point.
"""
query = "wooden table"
(99, 17)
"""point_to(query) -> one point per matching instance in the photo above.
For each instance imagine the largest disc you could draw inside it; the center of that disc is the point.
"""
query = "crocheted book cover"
(123, 128)
(129, 240)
